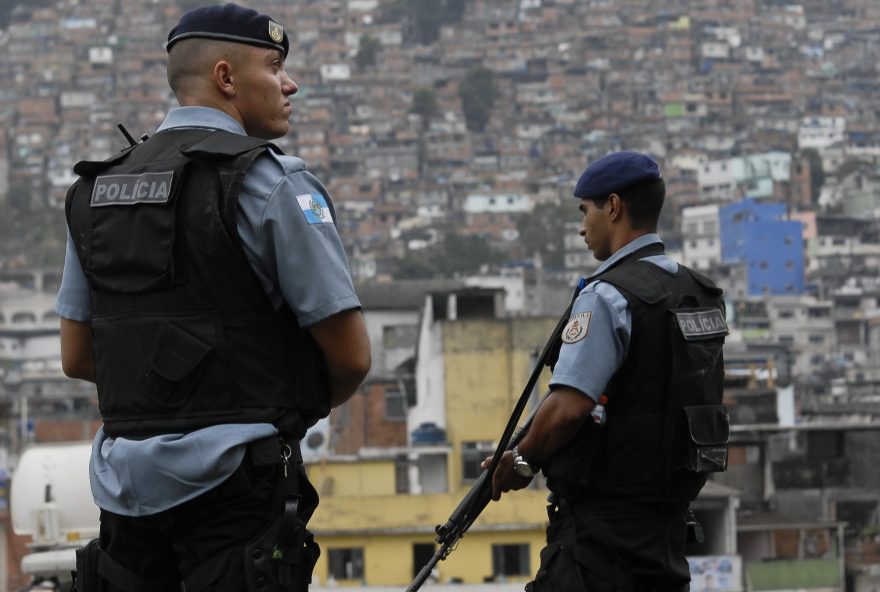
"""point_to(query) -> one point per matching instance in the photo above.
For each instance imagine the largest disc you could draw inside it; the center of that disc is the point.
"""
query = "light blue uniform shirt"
(298, 258)
(588, 364)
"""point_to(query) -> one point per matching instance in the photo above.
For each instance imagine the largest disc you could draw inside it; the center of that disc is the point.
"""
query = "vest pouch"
(135, 234)
(706, 430)
(699, 424)
(173, 369)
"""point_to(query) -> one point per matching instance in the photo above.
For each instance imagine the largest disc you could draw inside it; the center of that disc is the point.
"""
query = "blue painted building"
(771, 247)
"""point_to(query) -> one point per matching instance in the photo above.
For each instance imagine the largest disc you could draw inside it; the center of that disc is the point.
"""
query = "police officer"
(207, 293)
(639, 370)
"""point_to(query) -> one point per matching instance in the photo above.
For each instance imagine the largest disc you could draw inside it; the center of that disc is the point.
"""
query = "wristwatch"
(522, 466)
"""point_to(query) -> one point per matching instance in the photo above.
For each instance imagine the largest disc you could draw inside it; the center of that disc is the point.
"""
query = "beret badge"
(276, 33)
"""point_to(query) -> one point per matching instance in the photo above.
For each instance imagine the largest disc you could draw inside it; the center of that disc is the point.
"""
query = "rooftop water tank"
(428, 434)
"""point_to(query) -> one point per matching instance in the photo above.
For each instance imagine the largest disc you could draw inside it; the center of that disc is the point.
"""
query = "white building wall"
(701, 237)
(821, 132)
(479, 203)
(29, 327)
(430, 404)
(335, 72)
(385, 360)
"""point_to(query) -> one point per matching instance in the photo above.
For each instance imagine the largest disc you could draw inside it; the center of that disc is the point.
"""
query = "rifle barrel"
(425, 572)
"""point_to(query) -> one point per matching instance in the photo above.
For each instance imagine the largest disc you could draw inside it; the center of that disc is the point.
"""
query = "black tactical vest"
(184, 335)
(666, 428)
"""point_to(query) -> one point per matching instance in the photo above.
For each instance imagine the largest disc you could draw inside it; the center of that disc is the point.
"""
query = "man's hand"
(505, 478)
(558, 419)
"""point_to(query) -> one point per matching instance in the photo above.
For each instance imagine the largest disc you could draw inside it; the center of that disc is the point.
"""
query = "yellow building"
(379, 505)
(413, 443)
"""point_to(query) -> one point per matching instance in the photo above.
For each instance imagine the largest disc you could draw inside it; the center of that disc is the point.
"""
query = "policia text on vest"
(132, 189)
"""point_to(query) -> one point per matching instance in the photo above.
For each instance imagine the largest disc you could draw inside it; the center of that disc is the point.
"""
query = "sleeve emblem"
(314, 208)
(577, 327)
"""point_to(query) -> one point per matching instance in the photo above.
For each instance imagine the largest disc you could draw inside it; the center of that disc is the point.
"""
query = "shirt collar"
(630, 247)
(201, 117)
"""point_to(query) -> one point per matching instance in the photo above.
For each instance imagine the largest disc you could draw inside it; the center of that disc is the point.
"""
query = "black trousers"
(206, 534)
(614, 546)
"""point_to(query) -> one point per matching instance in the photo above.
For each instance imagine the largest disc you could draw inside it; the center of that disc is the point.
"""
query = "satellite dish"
(315, 440)
(316, 443)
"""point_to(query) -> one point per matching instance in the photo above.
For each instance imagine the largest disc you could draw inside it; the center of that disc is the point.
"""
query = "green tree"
(19, 198)
(848, 166)
(417, 265)
(6, 8)
(424, 104)
(542, 231)
(453, 256)
(477, 92)
(423, 17)
(368, 52)
(31, 231)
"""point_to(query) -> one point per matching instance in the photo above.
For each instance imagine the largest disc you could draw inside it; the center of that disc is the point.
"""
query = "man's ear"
(616, 207)
(223, 78)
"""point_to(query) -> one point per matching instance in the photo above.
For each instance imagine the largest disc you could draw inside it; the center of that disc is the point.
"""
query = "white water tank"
(51, 499)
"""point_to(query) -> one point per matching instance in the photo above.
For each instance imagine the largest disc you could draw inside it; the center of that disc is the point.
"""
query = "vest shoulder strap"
(640, 279)
(223, 145)
(707, 284)
(86, 168)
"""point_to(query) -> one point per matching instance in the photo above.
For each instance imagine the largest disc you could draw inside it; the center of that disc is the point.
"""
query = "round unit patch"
(577, 327)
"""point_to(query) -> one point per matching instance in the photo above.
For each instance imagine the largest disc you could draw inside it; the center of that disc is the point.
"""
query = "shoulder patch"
(701, 324)
(125, 190)
(577, 327)
(314, 208)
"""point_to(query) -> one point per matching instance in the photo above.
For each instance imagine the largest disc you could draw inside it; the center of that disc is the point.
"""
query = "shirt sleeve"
(296, 248)
(595, 340)
(73, 302)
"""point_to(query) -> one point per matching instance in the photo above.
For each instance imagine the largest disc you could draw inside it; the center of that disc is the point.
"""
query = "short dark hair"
(643, 203)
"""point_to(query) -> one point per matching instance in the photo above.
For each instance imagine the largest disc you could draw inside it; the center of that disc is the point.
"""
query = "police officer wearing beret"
(639, 371)
(207, 294)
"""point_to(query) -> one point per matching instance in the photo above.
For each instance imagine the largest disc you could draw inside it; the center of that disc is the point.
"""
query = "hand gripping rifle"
(480, 494)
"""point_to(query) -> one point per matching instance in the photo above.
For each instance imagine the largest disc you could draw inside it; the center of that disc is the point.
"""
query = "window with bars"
(510, 560)
(472, 454)
(346, 564)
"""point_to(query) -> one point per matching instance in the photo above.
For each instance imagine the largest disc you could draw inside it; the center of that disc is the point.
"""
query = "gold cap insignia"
(276, 33)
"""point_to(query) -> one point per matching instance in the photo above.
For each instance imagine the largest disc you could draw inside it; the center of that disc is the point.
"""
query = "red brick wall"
(361, 421)
(65, 430)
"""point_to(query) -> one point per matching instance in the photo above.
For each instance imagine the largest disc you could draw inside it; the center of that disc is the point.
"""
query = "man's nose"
(288, 86)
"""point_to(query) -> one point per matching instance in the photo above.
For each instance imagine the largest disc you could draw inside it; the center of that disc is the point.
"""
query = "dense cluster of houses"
(764, 118)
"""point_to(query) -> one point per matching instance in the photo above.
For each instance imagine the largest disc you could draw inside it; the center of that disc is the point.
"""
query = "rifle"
(480, 494)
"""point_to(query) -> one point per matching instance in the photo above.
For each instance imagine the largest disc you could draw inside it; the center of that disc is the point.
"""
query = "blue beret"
(614, 173)
(230, 23)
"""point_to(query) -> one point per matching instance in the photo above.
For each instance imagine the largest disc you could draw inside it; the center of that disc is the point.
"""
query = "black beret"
(614, 173)
(230, 23)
